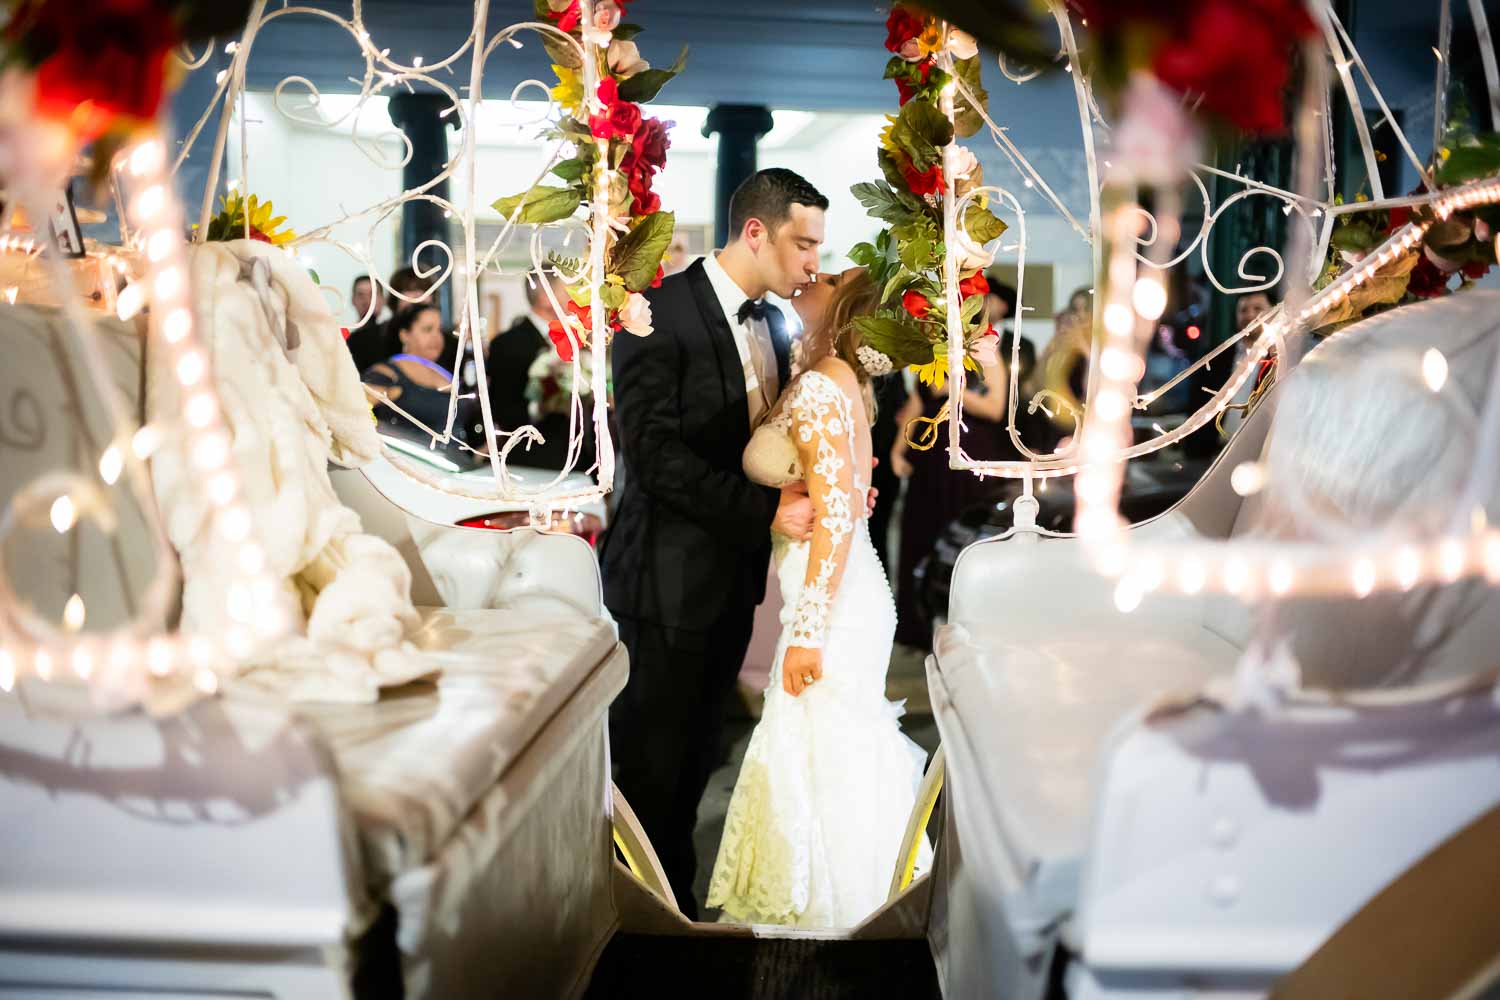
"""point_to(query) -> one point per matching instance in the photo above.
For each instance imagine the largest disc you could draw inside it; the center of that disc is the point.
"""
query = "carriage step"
(744, 968)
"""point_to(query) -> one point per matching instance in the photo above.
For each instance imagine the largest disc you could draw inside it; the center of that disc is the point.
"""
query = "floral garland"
(909, 327)
(1462, 245)
(636, 146)
(99, 68)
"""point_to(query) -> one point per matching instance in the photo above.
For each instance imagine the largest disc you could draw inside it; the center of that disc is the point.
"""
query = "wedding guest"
(999, 304)
(507, 364)
(890, 394)
(370, 340)
(414, 380)
(935, 493)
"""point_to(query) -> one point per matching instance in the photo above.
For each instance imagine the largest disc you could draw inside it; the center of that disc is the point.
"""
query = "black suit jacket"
(691, 533)
(505, 365)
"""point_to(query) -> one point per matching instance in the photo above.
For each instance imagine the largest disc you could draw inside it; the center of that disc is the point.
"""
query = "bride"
(815, 824)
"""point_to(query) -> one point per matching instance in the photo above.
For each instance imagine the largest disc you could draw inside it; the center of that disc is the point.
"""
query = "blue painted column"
(740, 127)
(420, 117)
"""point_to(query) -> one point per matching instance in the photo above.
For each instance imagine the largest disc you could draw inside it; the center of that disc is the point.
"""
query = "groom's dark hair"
(768, 195)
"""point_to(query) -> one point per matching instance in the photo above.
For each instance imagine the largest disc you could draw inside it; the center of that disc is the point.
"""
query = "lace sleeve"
(820, 425)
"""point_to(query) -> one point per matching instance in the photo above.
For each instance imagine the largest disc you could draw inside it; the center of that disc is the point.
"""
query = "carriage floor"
(741, 968)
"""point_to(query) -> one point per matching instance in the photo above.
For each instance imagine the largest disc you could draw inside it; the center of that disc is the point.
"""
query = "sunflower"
(229, 224)
(569, 90)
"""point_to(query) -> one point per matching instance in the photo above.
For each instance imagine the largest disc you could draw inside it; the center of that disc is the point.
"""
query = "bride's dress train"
(822, 801)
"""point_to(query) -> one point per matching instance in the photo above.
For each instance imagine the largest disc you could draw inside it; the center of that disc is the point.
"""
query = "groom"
(685, 559)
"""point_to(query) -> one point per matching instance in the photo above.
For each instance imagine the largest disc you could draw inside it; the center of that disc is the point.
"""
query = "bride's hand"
(799, 664)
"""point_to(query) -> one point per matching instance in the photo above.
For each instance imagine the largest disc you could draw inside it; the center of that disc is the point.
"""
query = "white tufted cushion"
(412, 765)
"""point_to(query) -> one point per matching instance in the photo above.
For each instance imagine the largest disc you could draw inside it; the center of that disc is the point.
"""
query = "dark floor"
(725, 968)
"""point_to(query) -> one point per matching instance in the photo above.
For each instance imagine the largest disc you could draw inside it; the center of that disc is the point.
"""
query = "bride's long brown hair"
(854, 295)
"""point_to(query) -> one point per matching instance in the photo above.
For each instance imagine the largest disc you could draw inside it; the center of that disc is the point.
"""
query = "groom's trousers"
(666, 725)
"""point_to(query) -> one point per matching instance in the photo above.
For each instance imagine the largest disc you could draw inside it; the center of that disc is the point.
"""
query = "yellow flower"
(230, 222)
(886, 142)
(934, 372)
(930, 41)
(569, 90)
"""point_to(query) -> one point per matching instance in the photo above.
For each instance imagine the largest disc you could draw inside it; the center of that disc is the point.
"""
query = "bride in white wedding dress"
(815, 824)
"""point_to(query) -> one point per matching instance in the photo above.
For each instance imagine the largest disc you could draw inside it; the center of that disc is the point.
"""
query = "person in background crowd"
(1081, 302)
(369, 341)
(999, 304)
(415, 381)
(1247, 309)
(677, 254)
(935, 493)
(890, 394)
(508, 362)
(405, 282)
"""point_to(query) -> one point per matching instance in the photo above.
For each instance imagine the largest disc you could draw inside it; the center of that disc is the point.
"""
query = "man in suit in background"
(369, 342)
(511, 353)
(686, 557)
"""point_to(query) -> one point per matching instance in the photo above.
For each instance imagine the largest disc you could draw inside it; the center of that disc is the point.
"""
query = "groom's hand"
(794, 513)
(799, 664)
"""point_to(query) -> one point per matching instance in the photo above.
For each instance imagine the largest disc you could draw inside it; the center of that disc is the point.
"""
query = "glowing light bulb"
(1280, 578)
(42, 664)
(252, 558)
(1248, 478)
(150, 201)
(190, 368)
(1128, 595)
(234, 524)
(130, 301)
(74, 613)
(1116, 364)
(159, 657)
(206, 680)
(145, 441)
(1451, 559)
(159, 245)
(1149, 298)
(210, 451)
(1191, 576)
(1408, 567)
(1117, 319)
(168, 283)
(200, 409)
(83, 662)
(111, 464)
(222, 488)
(1236, 575)
(64, 513)
(1110, 405)
(1434, 368)
(178, 324)
(148, 157)
(1363, 577)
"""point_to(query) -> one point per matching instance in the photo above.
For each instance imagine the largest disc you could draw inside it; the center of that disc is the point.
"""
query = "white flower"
(873, 361)
(635, 315)
(625, 59)
(970, 256)
(986, 350)
(911, 50)
(962, 44)
(606, 18)
(964, 163)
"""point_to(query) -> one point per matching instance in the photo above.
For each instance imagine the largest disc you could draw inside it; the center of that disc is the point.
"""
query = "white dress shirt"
(751, 335)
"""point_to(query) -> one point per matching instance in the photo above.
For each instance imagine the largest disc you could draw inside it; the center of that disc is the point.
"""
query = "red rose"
(661, 272)
(568, 20)
(646, 200)
(1475, 269)
(648, 148)
(620, 118)
(902, 26)
(1426, 281)
(609, 91)
(973, 285)
(560, 340)
(906, 90)
(915, 303)
(924, 182)
(1398, 217)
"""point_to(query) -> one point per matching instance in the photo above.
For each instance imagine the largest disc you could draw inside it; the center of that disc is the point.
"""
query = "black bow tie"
(755, 308)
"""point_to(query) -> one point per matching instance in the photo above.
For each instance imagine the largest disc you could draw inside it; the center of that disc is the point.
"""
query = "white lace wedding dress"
(828, 782)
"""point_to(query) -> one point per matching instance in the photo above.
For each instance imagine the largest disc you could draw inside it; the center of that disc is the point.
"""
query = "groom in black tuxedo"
(686, 557)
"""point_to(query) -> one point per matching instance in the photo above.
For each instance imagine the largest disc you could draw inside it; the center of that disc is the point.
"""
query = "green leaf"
(1353, 237)
(966, 119)
(571, 170)
(613, 296)
(981, 224)
(916, 254)
(625, 32)
(884, 202)
(971, 307)
(646, 84)
(542, 204)
(1467, 163)
(560, 51)
(638, 254)
(895, 283)
(901, 341)
(921, 130)
(314, 275)
(892, 170)
(866, 256)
